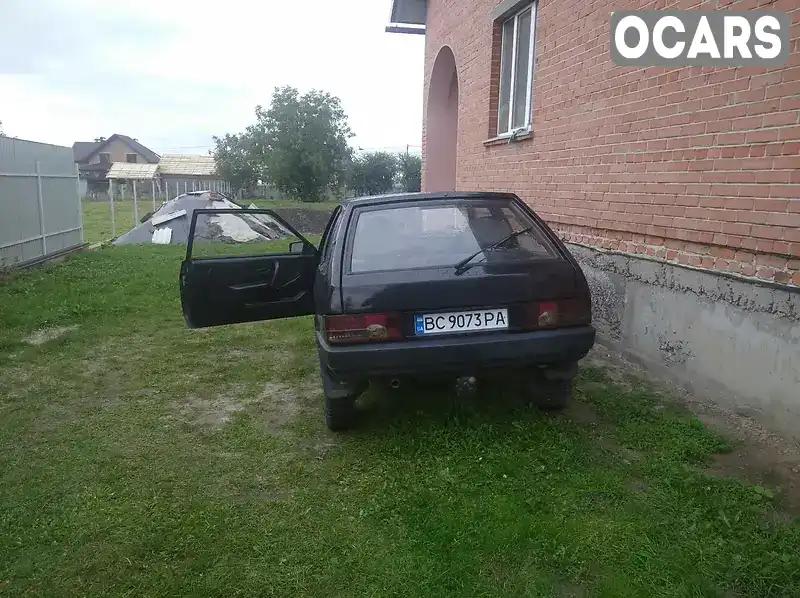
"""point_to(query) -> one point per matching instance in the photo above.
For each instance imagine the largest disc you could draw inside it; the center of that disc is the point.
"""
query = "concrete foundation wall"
(735, 341)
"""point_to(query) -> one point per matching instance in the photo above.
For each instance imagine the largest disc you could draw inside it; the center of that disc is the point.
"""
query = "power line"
(386, 148)
(392, 149)
(184, 147)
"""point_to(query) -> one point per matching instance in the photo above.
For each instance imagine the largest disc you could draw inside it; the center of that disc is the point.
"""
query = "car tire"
(553, 395)
(339, 400)
(339, 412)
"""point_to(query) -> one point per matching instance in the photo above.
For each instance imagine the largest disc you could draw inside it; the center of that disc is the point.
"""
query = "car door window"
(228, 233)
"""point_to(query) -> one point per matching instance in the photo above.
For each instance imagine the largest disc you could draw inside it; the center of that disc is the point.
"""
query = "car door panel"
(224, 290)
(230, 290)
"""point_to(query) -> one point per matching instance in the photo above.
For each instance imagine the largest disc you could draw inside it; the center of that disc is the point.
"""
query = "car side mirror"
(297, 247)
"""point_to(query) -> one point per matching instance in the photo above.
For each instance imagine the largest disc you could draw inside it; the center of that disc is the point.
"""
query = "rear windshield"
(441, 235)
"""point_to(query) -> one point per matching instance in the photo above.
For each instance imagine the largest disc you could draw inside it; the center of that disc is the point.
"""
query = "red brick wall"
(697, 165)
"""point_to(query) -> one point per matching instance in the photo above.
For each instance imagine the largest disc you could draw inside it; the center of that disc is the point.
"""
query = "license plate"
(462, 321)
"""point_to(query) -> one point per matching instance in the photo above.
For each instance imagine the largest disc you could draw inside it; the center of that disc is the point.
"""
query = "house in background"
(173, 174)
(94, 159)
(183, 173)
(678, 189)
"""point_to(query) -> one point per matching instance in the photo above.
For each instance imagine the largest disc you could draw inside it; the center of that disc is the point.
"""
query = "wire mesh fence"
(127, 203)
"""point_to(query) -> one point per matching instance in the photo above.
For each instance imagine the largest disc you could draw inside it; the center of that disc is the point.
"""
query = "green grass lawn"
(97, 214)
(97, 218)
(140, 458)
(279, 204)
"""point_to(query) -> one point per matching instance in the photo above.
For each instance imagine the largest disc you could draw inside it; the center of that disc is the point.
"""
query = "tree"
(410, 172)
(372, 173)
(2, 133)
(301, 142)
(100, 139)
(236, 160)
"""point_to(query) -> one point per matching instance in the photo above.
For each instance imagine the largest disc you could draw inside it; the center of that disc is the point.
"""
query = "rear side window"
(442, 234)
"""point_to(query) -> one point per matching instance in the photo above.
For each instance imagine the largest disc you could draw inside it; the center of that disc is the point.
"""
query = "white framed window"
(516, 71)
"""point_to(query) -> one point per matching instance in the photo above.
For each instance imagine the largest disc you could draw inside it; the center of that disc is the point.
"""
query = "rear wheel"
(553, 395)
(339, 406)
(551, 388)
(339, 412)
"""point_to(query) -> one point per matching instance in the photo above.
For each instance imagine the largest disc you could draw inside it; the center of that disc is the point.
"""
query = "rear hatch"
(402, 260)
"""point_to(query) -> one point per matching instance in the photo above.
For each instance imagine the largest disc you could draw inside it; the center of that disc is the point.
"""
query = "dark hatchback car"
(403, 286)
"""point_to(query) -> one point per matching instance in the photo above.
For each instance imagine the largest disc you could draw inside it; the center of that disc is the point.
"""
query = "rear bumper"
(456, 354)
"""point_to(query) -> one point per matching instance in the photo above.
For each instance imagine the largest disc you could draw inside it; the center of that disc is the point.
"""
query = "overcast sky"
(172, 73)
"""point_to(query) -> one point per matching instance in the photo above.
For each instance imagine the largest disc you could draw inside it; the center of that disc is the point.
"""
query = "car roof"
(409, 197)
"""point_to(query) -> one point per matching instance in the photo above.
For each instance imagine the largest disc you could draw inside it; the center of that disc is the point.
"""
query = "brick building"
(681, 181)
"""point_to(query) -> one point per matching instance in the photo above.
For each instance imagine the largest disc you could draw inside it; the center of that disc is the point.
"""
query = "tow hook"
(466, 386)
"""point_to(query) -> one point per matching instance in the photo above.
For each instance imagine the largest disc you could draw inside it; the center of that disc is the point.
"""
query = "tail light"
(558, 314)
(362, 328)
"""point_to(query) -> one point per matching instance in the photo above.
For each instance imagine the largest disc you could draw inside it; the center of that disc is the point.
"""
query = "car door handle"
(249, 286)
(263, 285)
(274, 268)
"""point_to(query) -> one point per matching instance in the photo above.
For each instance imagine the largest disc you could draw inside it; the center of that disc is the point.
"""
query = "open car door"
(243, 266)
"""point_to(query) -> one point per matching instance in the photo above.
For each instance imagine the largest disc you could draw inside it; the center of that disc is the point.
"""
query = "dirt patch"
(281, 405)
(214, 412)
(630, 456)
(583, 413)
(275, 406)
(759, 457)
(766, 464)
(280, 357)
(45, 335)
(112, 357)
(18, 381)
(322, 449)
(21, 374)
(568, 589)
(586, 415)
(211, 413)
